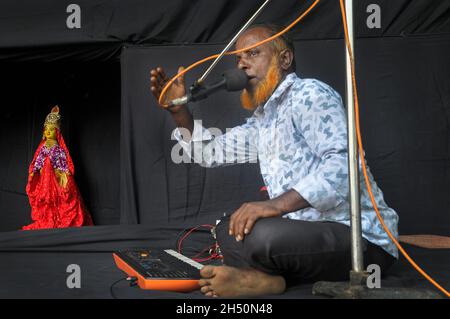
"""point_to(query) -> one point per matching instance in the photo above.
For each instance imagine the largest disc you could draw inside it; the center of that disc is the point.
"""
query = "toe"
(204, 282)
(205, 289)
(207, 271)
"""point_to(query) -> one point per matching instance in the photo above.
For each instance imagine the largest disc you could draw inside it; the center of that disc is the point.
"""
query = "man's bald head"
(283, 42)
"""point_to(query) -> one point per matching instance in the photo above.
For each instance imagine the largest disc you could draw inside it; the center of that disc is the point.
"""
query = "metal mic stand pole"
(357, 287)
(232, 41)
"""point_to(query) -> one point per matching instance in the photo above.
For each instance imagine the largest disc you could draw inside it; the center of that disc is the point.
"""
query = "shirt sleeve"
(211, 148)
(320, 118)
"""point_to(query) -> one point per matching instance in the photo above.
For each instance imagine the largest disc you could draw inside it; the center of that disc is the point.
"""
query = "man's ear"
(286, 57)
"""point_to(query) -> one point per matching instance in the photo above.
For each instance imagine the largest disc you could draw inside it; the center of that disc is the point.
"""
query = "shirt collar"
(282, 87)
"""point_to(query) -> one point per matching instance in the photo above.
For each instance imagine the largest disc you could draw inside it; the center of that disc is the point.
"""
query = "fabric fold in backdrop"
(105, 238)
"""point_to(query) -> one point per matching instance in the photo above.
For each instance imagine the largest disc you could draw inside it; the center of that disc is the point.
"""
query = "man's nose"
(242, 64)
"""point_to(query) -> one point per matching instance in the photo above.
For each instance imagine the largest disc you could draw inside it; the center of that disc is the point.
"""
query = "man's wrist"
(183, 118)
(177, 110)
(278, 205)
(289, 202)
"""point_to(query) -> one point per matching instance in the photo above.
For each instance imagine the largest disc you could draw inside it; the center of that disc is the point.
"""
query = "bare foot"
(225, 281)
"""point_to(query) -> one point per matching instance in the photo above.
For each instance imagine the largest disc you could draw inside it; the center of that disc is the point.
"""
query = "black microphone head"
(236, 79)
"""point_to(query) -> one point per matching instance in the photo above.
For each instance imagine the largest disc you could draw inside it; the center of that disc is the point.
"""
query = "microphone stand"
(196, 86)
(357, 286)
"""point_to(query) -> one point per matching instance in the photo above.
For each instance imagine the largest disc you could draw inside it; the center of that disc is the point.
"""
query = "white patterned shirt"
(299, 137)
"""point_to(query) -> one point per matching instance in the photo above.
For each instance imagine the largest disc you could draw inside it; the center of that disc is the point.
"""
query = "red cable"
(190, 232)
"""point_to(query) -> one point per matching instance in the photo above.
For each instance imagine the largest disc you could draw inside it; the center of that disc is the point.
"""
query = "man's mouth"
(252, 79)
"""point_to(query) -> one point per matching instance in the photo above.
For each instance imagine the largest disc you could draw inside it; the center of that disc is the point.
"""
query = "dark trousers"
(300, 251)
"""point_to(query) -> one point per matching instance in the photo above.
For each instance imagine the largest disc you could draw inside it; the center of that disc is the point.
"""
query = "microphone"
(232, 80)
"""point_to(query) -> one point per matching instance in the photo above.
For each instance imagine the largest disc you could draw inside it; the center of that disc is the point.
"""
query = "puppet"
(53, 194)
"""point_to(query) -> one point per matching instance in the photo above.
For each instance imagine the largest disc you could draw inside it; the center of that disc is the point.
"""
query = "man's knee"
(259, 244)
(263, 239)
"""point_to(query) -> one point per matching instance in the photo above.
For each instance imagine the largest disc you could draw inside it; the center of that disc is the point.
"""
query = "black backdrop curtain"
(121, 143)
(106, 25)
(405, 100)
(404, 90)
(403, 74)
(405, 108)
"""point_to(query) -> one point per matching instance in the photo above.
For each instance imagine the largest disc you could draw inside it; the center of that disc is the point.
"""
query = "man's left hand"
(243, 220)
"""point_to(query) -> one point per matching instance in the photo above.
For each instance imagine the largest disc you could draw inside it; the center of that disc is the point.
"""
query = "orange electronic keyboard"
(160, 269)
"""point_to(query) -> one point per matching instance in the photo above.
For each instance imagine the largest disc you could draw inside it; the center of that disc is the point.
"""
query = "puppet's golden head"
(51, 124)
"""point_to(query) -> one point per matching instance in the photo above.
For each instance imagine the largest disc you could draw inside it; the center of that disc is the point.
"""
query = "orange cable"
(166, 87)
(361, 153)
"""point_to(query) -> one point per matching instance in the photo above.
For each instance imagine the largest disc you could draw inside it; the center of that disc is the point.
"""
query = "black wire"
(113, 284)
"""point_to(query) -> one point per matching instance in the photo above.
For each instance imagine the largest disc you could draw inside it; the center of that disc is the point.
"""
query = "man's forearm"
(290, 201)
(183, 118)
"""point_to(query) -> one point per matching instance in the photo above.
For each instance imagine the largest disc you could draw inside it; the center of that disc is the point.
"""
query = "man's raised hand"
(158, 80)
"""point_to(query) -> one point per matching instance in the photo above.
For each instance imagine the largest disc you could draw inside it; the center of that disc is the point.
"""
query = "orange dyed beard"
(264, 89)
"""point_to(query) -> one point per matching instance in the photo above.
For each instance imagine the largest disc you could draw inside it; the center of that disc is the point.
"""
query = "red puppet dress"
(54, 204)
